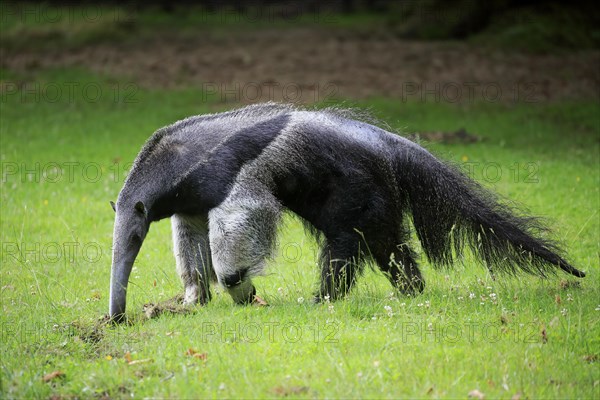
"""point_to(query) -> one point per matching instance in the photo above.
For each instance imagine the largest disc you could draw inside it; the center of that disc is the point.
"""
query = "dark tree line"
(408, 18)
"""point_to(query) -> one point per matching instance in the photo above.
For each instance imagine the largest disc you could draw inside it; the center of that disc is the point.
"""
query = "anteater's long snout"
(119, 279)
(124, 254)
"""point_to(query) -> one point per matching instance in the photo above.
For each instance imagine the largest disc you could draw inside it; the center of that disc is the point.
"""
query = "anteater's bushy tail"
(450, 211)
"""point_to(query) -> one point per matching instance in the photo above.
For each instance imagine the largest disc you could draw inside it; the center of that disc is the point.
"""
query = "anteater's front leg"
(242, 234)
(192, 254)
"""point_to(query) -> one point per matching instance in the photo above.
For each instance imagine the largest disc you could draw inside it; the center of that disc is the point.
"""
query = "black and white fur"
(224, 179)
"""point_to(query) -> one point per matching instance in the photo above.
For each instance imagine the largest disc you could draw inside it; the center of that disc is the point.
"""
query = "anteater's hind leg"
(398, 263)
(341, 261)
(242, 234)
(192, 255)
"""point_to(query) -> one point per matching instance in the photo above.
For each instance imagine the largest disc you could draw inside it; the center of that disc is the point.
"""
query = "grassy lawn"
(63, 160)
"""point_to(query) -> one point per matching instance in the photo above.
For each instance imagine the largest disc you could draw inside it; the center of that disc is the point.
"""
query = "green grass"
(540, 338)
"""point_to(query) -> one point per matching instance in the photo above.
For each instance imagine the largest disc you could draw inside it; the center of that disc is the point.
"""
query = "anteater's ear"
(140, 207)
(112, 204)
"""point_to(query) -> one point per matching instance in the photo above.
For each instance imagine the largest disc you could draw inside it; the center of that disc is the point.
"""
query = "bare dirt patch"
(317, 64)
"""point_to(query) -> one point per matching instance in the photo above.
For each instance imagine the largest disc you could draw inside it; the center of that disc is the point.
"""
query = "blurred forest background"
(527, 50)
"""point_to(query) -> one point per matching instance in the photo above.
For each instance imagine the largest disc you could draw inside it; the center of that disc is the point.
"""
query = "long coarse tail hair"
(450, 211)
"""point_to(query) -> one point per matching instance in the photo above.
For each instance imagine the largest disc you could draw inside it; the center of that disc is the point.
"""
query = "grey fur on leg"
(192, 256)
(242, 235)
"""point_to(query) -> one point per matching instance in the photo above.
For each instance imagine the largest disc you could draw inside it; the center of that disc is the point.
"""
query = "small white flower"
(427, 303)
(300, 300)
(597, 308)
(564, 311)
(471, 296)
(389, 311)
(459, 298)
(569, 297)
